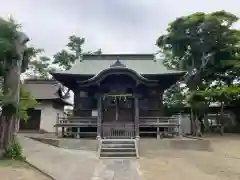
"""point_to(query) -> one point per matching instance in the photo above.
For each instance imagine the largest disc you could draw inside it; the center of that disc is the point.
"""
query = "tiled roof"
(42, 89)
(140, 63)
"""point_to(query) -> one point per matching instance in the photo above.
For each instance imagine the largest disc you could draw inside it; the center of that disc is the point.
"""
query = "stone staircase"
(118, 148)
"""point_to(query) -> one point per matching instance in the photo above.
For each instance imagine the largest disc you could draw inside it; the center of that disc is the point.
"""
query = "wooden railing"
(169, 126)
(118, 130)
(158, 121)
(92, 122)
(76, 122)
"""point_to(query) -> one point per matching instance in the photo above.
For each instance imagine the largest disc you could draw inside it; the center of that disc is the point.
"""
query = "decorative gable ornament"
(117, 64)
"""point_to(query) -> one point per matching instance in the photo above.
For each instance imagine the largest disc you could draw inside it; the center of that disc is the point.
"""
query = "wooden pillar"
(56, 125)
(179, 125)
(63, 132)
(158, 129)
(136, 106)
(76, 101)
(78, 132)
(99, 118)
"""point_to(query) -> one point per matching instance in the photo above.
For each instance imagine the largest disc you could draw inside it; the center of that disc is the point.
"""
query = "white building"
(51, 103)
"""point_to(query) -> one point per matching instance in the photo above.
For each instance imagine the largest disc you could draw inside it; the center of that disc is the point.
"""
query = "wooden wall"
(150, 98)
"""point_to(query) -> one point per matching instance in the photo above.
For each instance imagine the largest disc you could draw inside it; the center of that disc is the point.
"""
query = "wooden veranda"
(73, 126)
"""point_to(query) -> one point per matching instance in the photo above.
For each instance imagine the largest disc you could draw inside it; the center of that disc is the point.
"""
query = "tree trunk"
(198, 127)
(206, 123)
(8, 117)
(196, 124)
(3, 124)
(193, 128)
(11, 90)
(8, 131)
(221, 119)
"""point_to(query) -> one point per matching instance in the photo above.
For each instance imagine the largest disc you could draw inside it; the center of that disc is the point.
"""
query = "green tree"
(175, 97)
(12, 52)
(224, 95)
(40, 66)
(190, 40)
(205, 45)
(67, 57)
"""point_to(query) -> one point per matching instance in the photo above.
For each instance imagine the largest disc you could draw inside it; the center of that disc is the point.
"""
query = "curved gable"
(117, 71)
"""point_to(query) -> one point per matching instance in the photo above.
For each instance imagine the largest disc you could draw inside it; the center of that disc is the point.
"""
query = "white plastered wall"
(49, 115)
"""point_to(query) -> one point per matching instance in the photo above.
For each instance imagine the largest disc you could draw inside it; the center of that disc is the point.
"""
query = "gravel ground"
(10, 170)
(223, 163)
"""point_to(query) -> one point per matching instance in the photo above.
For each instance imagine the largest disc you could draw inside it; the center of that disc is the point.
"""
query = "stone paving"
(221, 163)
(118, 169)
(63, 164)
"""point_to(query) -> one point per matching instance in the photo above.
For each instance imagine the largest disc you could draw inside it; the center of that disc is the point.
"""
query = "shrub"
(14, 150)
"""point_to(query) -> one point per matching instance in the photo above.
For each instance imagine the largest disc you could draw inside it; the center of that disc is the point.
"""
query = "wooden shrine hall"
(117, 96)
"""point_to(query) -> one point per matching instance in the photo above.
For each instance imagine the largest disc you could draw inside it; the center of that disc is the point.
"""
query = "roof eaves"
(40, 81)
(55, 100)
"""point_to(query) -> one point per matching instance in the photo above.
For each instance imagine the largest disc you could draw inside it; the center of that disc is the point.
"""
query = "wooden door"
(33, 123)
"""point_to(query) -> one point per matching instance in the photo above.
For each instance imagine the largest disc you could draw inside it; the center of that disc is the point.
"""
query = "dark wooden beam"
(99, 117)
(136, 113)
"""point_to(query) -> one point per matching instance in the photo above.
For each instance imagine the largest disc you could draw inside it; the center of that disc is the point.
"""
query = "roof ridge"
(117, 56)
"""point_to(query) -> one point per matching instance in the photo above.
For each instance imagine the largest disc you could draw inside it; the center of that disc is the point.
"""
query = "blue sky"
(115, 26)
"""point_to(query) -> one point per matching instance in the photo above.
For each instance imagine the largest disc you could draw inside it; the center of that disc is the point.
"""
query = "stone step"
(118, 154)
(118, 145)
(117, 142)
(118, 150)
